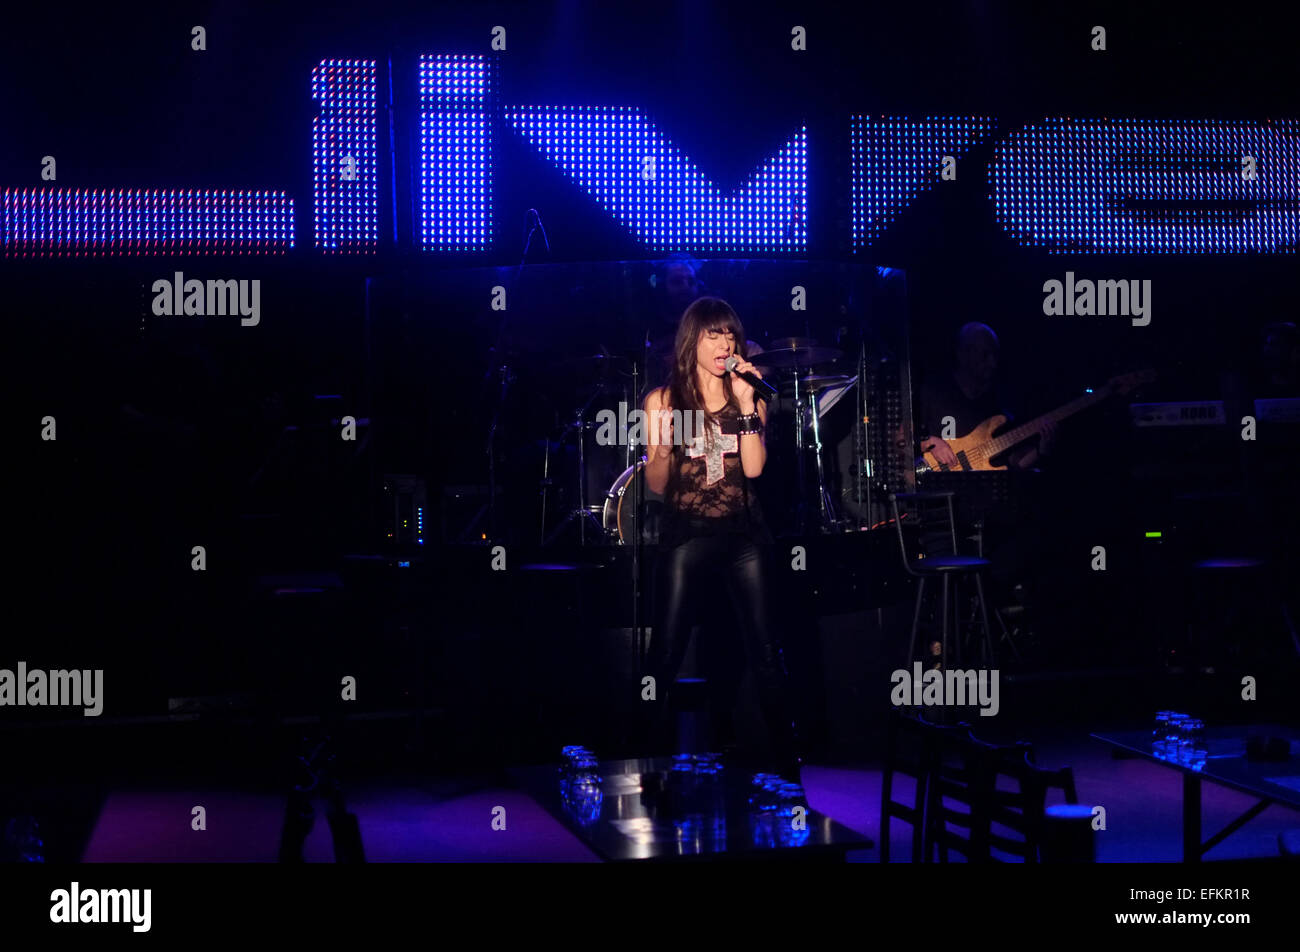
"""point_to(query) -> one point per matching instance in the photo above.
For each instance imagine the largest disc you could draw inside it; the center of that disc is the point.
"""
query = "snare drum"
(618, 508)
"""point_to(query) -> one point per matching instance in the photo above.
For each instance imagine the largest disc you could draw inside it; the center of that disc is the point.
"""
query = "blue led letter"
(1150, 186)
(345, 155)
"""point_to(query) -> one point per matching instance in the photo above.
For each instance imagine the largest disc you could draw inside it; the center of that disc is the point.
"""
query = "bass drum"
(618, 508)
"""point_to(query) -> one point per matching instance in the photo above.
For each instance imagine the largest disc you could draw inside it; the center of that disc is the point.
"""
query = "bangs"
(706, 315)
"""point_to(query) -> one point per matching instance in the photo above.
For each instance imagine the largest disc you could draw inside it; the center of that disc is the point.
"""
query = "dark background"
(120, 99)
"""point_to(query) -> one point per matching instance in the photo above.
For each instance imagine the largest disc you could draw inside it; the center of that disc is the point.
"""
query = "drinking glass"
(1160, 736)
(756, 787)
(1174, 735)
(789, 796)
(769, 797)
(708, 763)
(1194, 749)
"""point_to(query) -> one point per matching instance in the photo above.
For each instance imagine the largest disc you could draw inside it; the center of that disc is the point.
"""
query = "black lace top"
(708, 492)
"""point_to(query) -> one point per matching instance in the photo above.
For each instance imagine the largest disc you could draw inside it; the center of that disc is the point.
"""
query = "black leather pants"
(717, 567)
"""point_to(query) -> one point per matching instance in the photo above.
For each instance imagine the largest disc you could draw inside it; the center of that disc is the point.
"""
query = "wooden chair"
(959, 797)
(1021, 811)
(971, 812)
(909, 752)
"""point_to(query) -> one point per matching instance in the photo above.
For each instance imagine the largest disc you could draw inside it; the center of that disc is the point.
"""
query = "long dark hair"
(704, 314)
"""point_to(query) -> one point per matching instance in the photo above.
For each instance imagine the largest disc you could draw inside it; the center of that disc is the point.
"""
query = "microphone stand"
(638, 534)
(637, 634)
(506, 378)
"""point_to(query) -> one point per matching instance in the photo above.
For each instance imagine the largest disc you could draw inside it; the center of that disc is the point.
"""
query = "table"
(700, 818)
(1273, 781)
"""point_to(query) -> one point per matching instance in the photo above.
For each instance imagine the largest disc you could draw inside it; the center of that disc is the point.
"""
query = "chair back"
(958, 792)
(906, 747)
(1018, 803)
(926, 526)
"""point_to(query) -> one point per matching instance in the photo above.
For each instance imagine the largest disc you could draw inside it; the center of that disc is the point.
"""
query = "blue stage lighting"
(657, 193)
(455, 153)
(894, 159)
(51, 222)
(1149, 186)
(345, 155)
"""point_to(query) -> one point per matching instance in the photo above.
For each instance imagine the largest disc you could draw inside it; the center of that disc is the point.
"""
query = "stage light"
(650, 187)
(1149, 186)
(894, 159)
(56, 222)
(455, 153)
(345, 157)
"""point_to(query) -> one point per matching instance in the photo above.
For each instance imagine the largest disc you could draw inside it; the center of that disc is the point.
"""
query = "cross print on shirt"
(713, 454)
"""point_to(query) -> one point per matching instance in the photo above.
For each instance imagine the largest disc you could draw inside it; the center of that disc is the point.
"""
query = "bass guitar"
(975, 450)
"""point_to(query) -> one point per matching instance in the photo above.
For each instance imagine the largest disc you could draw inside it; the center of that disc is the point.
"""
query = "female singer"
(712, 529)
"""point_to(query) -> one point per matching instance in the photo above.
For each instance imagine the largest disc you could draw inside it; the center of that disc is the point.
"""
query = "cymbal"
(788, 343)
(803, 355)
(607, 360)
(591, 366)
(817, 383)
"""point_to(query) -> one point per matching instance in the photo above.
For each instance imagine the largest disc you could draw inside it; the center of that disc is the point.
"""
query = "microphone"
(761, 387)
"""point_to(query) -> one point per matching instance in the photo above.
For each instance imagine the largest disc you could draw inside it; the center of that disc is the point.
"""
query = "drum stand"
(808, 415)
(638, 629)
(581, 514)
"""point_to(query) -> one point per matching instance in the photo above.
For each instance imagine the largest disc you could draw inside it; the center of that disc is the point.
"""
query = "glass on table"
(1174, 736)
(789, 796)
(571, 753)
(757, 784)
(1160, 735)
(1193, 749)
(709, 763)
(580, 767)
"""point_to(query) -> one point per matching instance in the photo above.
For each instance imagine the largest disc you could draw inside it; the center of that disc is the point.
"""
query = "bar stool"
(1067, 834)
(1288, 845)
(1236, 613)
(1232, 552)
(934, 554)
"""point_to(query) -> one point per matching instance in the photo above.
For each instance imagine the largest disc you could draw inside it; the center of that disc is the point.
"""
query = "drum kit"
(601, 481)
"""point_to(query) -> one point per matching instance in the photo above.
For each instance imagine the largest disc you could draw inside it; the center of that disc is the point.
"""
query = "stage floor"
(413, 819)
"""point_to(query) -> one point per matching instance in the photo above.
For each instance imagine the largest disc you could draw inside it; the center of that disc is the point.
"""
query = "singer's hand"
(664, 428)
(742, 388)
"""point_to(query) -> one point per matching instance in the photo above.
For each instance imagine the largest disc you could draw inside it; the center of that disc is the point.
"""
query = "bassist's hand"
(1046, 438)
(943, 453)
(1031, 457)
